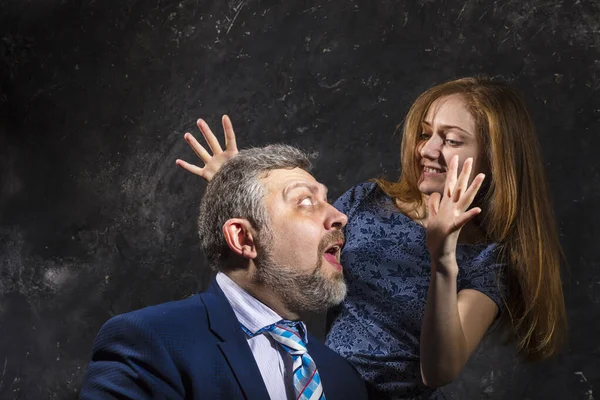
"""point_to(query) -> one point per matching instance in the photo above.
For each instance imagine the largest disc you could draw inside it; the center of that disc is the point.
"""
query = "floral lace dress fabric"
(387, 269)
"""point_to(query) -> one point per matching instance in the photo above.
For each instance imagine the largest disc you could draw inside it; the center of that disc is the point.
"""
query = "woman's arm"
(453, 324)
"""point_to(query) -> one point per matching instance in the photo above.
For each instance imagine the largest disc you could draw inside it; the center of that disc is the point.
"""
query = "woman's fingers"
(209, 136)
(197, 147)
(434, 204)
(465, 217)
(451, 177)
(194, 169)
(230, 143)
(212, 162)
(469, 195)
(463, 179)
(451, 209)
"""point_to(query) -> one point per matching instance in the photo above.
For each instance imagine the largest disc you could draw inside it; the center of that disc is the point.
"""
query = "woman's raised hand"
(212, 163)
(448, 212)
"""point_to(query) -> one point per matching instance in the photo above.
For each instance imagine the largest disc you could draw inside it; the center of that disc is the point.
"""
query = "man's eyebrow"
(314, 188)
(446, 127)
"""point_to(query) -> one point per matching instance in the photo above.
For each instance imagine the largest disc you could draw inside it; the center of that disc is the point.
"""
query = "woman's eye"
(307, 201)
(453, 142)
(424, 136)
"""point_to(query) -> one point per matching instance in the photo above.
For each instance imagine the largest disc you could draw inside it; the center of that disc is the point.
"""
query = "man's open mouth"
(332, 253)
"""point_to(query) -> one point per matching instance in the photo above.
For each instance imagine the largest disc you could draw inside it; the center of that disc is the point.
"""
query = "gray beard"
(300, 291)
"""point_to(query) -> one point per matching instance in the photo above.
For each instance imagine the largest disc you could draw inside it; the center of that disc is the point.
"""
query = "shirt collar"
(249, 311)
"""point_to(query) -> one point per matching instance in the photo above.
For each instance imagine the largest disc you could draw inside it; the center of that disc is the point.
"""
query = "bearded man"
(267, 228)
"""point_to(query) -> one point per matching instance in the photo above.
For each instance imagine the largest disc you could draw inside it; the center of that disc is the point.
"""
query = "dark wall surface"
(96, 219)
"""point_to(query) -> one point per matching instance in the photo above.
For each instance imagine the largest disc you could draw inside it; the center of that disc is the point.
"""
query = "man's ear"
(239, 235)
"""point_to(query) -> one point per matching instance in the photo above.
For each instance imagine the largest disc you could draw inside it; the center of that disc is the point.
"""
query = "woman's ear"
(239, 235)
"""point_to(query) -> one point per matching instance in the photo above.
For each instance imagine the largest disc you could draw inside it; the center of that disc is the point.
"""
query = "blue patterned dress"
(387, 269)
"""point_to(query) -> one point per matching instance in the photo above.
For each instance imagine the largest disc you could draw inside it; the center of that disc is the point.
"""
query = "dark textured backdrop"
(96, 219)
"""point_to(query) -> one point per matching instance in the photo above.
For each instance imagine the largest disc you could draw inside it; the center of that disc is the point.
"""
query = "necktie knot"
(292, 337)
(289, 335)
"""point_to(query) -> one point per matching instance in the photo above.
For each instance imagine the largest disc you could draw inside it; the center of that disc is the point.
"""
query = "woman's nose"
(431, 148)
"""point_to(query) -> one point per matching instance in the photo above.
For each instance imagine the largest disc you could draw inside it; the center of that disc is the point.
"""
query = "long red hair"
(517, 213)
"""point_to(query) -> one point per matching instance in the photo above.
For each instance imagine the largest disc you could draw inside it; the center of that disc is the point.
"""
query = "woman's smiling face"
(448, 129)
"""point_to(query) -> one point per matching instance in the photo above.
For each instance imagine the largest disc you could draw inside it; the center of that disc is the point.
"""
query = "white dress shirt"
(274, 363)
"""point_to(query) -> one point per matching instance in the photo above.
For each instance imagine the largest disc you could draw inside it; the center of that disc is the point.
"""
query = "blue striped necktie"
(307, 382)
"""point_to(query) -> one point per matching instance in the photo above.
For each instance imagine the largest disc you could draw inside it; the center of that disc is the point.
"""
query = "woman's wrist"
(445, 266)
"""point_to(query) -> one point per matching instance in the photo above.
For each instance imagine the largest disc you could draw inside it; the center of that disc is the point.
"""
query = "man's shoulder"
(169, 309)
(171, 316)
(154, 347)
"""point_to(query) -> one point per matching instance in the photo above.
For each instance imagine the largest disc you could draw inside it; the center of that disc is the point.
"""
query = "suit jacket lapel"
(234, 346)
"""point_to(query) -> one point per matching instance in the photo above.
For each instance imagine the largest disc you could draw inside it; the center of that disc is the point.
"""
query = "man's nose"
(335, 218)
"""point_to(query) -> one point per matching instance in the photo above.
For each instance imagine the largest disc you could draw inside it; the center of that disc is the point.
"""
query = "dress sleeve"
(349, 201)
(484, 274)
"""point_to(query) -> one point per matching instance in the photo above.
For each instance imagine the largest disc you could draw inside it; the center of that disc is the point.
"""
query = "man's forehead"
(289, 179)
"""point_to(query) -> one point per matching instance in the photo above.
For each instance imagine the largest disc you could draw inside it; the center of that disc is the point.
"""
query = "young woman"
(427, 276)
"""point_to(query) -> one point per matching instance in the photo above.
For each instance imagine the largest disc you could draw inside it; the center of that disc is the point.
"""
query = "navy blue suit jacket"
(193, 349)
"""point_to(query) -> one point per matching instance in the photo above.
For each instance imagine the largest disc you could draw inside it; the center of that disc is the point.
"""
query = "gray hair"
(237, 192)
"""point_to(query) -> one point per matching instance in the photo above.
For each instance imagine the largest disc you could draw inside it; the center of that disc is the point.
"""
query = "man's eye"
(307, 201)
